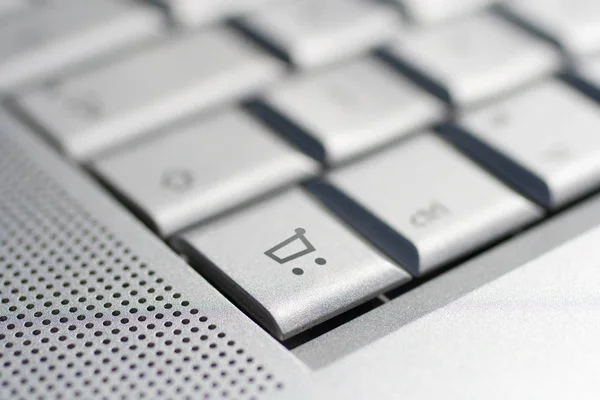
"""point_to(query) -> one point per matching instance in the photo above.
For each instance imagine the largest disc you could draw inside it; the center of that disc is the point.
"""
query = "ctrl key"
(289, 263)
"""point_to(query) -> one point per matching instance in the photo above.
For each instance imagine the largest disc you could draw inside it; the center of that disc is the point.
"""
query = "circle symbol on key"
(178, 180)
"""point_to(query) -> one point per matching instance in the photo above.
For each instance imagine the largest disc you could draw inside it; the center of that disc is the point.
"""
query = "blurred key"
(316, 32)
(474, 59)
(432, 11)
(10, 6)
(573, 24)
(424, 204)
(48, 38)
(290, 263)
(91, 112)
(341, 112)
(587, 76)
(545, 141)
(197, 12)
(202, 168)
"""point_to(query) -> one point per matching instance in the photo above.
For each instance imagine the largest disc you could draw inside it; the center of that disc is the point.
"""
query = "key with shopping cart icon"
(281, 252)
(290, 263)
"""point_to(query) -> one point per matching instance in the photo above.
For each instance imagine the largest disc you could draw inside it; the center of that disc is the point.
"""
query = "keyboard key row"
(91, 112)
(292, 264)
(194, 12)
(423, 203)
(46, 39)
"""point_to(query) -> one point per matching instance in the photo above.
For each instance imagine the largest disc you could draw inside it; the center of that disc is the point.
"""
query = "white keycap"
(197, 12)
(315, 32)
(424, 204)
(202, 168)
(475, 59)
(574, 24)
(49, 38)
(432, 11)
(94, 111)
(352, 108)
(289, 263)
(544, 140)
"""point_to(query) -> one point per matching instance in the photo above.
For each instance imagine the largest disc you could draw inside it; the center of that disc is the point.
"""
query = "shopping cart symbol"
(293, 248)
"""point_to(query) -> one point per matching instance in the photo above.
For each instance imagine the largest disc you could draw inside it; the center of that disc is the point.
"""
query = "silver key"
(9, 6)
(47, 39)
(352, 108)
(432, 11)
(475, 59)
(316, 32)
(202, 168)
(574, 24)
(543, 140)
(589, 74)
(197, 12)
(434, 203)
(94, 111)
(290, 263)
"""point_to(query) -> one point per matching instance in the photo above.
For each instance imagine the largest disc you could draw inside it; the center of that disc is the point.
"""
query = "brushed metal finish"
(532, 333)
(450, 286)
(92, 305)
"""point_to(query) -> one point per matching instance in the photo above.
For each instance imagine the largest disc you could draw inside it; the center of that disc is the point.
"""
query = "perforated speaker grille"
(83, 316)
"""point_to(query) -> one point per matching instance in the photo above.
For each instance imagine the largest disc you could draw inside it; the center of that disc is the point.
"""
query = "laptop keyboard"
(308, 156)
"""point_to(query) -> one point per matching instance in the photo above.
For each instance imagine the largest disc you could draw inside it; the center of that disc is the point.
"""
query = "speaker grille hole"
(81, 315)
